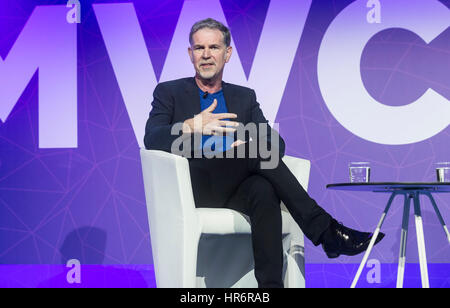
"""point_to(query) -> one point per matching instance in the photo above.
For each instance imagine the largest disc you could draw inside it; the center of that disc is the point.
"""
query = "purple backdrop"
(87, 202)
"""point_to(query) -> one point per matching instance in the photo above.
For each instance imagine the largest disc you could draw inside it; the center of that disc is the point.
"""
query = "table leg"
(421, 242)
(403, 241)
(438, 215)
(372, 241)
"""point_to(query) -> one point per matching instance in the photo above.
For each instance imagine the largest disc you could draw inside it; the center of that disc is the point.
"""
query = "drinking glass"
(443, 172)
(359, 172)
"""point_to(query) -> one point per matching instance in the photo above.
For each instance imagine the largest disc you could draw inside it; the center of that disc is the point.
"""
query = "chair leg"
(295, 269)
(403, 241)
(189, 261)
(421, 242)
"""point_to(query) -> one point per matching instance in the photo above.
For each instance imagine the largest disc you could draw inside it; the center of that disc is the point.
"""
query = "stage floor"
(142, 276)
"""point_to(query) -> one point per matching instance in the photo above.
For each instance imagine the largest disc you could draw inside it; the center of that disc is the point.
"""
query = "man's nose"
(206, 53)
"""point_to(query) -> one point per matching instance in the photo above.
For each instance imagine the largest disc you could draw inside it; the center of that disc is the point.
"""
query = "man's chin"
(207, 76)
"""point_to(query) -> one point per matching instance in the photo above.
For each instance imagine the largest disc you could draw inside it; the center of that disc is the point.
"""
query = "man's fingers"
(228, 129)
(219, 129)
(212, 107)
(221, 116)
(229, 123)
(237, 143)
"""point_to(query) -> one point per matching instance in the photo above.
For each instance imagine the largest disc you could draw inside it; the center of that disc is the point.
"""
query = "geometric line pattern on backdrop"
(47, 196)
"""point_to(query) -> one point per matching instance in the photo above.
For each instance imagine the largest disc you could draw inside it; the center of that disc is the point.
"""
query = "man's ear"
(190, 54)
(228, 54)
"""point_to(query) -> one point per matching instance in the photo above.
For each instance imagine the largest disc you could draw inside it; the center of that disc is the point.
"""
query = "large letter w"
(270, 70)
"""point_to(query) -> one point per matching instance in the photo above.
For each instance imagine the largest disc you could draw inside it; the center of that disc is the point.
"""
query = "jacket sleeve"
(158, 130)
(258, 118)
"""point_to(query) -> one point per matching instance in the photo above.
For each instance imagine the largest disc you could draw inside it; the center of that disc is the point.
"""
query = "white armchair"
(208, 247)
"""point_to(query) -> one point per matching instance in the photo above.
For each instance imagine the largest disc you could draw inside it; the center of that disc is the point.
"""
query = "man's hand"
(208, 123)
(237, 143)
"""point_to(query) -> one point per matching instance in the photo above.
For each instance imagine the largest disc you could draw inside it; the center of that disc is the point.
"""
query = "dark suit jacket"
(178, 100)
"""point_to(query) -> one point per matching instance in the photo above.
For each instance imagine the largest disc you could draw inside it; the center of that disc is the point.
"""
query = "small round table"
(409, 191)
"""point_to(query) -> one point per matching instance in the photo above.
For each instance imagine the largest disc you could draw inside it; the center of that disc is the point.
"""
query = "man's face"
(208, 53)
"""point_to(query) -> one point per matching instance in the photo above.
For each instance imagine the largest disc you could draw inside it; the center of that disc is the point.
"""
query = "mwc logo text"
(48, 43)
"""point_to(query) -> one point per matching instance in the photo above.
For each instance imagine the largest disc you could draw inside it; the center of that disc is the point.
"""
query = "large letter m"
(46, 44)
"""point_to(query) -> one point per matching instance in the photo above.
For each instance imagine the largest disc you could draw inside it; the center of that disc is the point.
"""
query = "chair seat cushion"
(227, 221)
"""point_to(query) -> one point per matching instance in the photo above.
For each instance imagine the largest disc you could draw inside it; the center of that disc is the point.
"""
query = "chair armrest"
(300, 168)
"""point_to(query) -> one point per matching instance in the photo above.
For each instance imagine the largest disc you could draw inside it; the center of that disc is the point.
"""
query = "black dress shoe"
(339, 240)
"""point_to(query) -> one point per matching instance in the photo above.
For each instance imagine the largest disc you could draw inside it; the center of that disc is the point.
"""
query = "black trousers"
(241, 184)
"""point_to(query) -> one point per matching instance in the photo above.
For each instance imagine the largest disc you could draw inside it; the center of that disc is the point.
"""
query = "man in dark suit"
(204, 106)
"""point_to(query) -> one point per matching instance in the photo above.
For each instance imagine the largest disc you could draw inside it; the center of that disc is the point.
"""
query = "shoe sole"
(379, 238)
(334, 255)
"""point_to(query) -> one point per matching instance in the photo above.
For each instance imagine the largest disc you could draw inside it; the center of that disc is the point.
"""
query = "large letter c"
(340, 79)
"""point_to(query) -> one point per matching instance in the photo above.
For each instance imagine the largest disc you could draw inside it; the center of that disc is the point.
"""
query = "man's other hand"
(237, 143)
(209, 123)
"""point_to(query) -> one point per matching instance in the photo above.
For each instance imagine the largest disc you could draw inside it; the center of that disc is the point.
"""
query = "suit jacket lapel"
(232, 102)
(192, 99)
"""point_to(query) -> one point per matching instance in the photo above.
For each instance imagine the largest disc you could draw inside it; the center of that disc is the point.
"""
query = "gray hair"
(211, 24)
